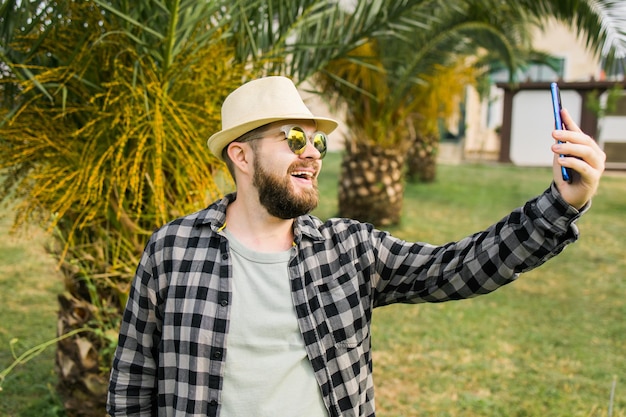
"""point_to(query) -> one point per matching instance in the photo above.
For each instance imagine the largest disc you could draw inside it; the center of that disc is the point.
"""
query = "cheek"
(275, 158)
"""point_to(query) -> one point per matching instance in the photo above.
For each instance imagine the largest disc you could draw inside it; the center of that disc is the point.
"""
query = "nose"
(310, 151)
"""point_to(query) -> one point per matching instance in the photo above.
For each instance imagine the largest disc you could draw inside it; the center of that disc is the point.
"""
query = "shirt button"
(217, 354)
(224, 302)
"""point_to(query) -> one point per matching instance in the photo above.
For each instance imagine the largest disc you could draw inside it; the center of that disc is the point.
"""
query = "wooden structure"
(588, 120)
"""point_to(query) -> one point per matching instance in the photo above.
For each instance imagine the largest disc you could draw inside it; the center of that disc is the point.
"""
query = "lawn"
(551, 344)
(29, 283)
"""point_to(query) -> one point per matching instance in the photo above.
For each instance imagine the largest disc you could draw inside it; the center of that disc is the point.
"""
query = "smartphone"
(566, 173)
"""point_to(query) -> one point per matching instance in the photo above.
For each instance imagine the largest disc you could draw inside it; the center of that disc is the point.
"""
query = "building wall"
(561, 41)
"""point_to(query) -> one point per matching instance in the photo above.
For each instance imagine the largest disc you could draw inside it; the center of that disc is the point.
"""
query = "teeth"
(302, 174)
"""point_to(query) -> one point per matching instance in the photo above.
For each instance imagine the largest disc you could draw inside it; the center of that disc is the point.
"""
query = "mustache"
(314, 165)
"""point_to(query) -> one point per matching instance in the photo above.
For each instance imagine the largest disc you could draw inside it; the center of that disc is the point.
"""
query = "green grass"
(29, 283)
(549, 345)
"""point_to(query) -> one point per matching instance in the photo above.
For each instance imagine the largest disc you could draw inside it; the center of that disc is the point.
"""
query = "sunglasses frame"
(286, 129)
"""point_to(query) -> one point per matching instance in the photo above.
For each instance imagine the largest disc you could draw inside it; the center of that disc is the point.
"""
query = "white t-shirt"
(267, 372)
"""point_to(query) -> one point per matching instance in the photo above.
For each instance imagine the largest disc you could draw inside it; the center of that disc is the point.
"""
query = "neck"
(256, 229)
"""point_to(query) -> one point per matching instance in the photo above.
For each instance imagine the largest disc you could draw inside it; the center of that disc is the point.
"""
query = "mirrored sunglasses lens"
(319, 141)
(296, 138)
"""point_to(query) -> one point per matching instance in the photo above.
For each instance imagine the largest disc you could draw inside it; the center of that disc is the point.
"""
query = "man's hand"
(583, 156)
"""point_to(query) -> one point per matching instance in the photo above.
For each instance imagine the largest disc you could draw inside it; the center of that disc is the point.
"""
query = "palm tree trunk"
(371, 187)
(422, 159)
(82, 384)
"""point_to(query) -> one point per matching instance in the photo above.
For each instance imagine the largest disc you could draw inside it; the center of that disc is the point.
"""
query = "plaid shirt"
(173, 338)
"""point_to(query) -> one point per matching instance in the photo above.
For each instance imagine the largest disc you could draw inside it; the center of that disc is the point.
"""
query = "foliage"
(601, 108)
(362, 91)
(377, 84)
(105, 144)
(359, 84)
(396, 87)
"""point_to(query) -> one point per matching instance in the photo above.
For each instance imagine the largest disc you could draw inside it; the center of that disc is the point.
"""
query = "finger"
(592, 156)
(588, 172)
(569, 122)
(588, 161)
(578, 137)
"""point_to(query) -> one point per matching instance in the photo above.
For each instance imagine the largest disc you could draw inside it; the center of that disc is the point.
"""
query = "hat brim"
(218, 141)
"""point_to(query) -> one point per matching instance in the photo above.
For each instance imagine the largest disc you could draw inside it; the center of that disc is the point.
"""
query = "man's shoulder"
(207, 220)
(316, 228)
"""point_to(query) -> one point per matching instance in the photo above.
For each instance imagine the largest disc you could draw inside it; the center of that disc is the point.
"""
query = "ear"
(240, 154)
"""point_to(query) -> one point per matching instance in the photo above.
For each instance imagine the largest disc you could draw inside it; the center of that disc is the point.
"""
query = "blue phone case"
(566, 173)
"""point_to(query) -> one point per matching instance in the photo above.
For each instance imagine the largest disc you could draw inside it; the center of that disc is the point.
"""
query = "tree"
(105, 142)
(394, 90)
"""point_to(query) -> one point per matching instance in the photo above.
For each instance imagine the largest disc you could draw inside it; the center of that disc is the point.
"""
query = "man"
(252, 307)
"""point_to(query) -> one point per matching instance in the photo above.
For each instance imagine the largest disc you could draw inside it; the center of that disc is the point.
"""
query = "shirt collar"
(215, 217)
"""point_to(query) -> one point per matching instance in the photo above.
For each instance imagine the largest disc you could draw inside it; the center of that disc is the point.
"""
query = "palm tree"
(439, 97)
(384, 127)
(104, 143)
(394, 90)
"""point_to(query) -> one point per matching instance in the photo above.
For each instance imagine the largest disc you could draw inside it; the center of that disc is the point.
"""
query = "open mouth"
(305, 175)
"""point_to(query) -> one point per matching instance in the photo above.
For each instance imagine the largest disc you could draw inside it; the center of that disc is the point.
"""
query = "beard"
(278, 196)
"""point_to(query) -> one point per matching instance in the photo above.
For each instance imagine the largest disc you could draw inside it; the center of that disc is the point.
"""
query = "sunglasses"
(297, 139)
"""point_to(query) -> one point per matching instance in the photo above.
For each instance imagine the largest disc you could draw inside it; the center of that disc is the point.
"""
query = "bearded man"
(253, 307)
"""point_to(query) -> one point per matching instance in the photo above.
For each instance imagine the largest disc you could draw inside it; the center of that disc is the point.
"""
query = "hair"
(246, 137)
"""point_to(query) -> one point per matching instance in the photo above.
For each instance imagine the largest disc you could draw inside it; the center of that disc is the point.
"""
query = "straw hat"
(258, 103)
